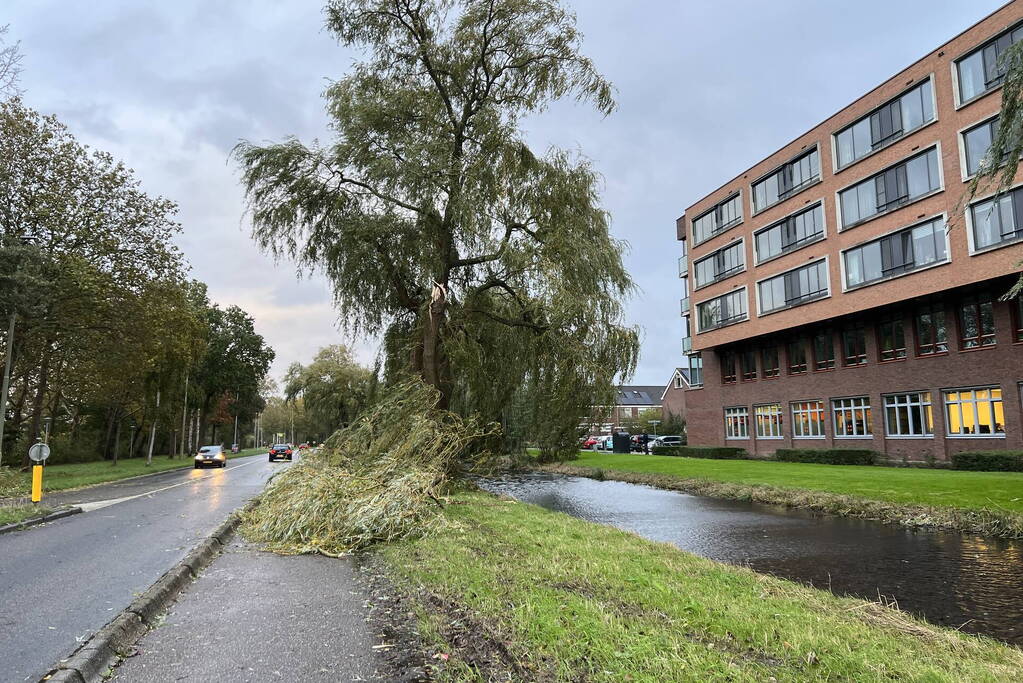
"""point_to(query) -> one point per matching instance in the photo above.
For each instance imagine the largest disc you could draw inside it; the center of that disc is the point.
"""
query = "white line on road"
(89, 507)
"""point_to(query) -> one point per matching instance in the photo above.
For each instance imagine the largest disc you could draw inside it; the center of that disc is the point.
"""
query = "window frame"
(936, 147)
(758, 260)
(738, 270)
(846, 287)
(724, 227)
(838, 168)
(732, 416)
(920, 404)
(731, 321)
(810, 149)
(970, 227)
(1016, 314)
(845, 356)
(917, 337)
(977, 300)
(805, 409)
(695, 373)
(830, 335)
(898, 324)
(868, 420)
(776, 369)
(959, 390)
(954, 63)
(744, 374)
(729, 361)
(794, 369)
(826, 259)
(775, 419)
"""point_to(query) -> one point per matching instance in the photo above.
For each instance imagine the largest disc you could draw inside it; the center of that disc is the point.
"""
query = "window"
(885, 124)
(787, 180)
(976, 322)
(808, 420)
(768, 419)
(769, 358)
(723, 263)
(737, 423)
(891, 188)
(896, 254)
(793, 288)
(908, 414)
(696, 370)
(723, 310)
(680, 382)
(797, 357)
(794, 232)
(980, 71)
(823, 351)
(748, 364)
(852, 416)
(727, 367)
(723, 216)
(976, 142)
(998, 221)
(1017, 319)
(854, 346)
(931, 336)
(891, 340)
(974, 412)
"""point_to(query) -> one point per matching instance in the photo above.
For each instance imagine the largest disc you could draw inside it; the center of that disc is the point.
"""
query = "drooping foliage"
(488, 267)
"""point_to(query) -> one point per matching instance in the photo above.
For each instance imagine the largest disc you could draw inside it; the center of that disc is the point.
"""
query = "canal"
(958, 580)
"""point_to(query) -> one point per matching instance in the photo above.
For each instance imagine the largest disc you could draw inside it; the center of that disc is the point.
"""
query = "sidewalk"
(256, 616)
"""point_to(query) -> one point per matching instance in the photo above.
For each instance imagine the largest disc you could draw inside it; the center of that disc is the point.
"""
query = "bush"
(711, 452)
(988, 461)
(827, 456)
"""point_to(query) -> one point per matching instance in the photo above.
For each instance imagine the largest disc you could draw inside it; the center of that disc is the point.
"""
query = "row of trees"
(109, 332)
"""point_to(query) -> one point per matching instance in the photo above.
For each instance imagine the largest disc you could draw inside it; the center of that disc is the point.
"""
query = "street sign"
(39, 452)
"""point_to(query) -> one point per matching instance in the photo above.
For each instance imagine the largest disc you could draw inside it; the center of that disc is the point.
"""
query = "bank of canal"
(956, 580)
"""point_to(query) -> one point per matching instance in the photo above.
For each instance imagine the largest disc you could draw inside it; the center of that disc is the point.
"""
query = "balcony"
(683, 265)
(683, 305)
(687, 345)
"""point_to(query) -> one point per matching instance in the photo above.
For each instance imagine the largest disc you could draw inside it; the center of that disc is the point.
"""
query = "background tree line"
(109, 330)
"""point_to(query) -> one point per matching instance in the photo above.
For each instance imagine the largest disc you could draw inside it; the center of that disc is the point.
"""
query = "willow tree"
(487, 265)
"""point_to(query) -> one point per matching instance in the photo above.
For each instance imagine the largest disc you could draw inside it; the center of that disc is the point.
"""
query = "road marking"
(89, 507)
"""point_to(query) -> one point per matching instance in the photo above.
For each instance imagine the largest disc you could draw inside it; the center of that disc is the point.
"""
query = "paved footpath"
(256, 616)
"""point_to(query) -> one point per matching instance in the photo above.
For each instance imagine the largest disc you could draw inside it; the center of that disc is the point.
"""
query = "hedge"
(712, 452)
(988, 461)
(827, 456)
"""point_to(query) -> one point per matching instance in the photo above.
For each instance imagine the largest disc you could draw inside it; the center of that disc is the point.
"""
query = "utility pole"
(235, 432)
(184, 416)
(152, 432)
(7, 383)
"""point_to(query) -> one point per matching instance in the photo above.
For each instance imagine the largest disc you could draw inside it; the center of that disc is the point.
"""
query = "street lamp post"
(46, 429)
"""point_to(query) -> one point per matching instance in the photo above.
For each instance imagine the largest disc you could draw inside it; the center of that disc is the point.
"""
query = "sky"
(704, 90)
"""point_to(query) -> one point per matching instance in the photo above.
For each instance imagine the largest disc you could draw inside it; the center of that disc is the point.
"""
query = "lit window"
(768, 419)
(737, 423)
(908, 414)
(808, 419)
(852, 416)
(975, 412)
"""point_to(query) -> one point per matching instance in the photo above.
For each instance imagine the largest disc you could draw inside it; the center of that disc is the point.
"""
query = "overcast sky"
(705, 89)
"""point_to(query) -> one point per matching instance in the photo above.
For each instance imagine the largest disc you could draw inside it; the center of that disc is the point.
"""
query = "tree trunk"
(433, 361)
(117, 436)
(37, 404)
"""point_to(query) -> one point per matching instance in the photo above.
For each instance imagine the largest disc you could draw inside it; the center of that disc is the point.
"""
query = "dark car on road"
(638, 442)
(211, 456)
(281, 451)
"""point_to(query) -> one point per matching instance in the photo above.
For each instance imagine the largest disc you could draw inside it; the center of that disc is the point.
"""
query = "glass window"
(980, 71)
(808, 419)
(852, 416)
(795, 287)
(998, 221)
(976, 142)
(891, 340)
(737, 423)
(696, 370)
(768, 419)
(908, 414)
(976, 322)
(823, 350)
(728, 367)
(890, 188)
(896, 254)
(722, 310)
(723, 216)
(886, 124)
(790, 234)
(974, 412)
(769, 358)
(854, 346)
(931, 335)
(1017, 319)
(797, 357)
(721, 264)
(787, 180)
(748, 364)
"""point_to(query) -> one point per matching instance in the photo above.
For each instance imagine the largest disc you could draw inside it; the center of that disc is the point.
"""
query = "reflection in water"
(951, 579)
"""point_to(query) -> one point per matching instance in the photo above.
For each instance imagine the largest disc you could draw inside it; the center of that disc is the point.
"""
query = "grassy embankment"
(509, 590)
(16, 484)
(989, 503)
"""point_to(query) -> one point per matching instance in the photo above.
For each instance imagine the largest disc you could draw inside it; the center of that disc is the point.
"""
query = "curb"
(92, 661)
(25, 523)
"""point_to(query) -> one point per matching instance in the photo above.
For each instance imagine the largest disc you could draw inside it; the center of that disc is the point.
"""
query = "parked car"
(638, 441)
(668, 440)
(303, 446)
(282, 451)
(589, 443)
(605, 443)
(214, 456)
(235, 448)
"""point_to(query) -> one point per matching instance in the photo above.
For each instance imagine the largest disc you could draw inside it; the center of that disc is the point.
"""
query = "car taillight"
(287, 452)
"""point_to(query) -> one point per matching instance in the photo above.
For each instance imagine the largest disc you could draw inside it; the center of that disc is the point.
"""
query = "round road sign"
(39, 452)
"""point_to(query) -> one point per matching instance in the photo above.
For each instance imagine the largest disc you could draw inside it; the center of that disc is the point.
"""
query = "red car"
(590, 443)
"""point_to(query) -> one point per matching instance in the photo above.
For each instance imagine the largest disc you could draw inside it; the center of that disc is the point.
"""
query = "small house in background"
(630, 401)
(673, 397)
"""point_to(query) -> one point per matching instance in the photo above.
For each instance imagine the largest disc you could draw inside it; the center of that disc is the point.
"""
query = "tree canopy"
(487, 266)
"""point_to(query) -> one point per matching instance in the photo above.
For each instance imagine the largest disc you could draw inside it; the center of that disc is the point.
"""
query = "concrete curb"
(92, 661)
(25, 523)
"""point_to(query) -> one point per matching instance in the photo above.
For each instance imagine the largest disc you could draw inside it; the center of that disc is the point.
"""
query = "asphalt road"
(62, 581)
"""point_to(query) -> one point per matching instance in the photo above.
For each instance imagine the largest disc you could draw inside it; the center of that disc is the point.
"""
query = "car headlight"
(219, 456)
(198, 457)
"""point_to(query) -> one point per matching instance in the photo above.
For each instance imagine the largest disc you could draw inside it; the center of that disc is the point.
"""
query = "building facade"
(673, 398)
(839, 294)
(630, 401)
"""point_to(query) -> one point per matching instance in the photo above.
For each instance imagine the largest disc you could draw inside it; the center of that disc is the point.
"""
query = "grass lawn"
(513, 591)
(913, 486)
(16, 513)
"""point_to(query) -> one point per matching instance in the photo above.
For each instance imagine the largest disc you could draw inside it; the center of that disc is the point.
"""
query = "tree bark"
(432, 353)
(38, 402)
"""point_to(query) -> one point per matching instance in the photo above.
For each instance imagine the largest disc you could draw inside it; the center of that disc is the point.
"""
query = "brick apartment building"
(834, 297)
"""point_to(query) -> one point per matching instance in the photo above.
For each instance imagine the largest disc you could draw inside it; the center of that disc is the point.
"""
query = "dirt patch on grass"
(995, 523)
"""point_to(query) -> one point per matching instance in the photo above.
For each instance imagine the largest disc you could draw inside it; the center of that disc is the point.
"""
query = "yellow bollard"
(37, 483)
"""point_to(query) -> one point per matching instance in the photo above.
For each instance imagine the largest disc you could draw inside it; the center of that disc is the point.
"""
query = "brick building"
(837, 295)
(630, 401)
